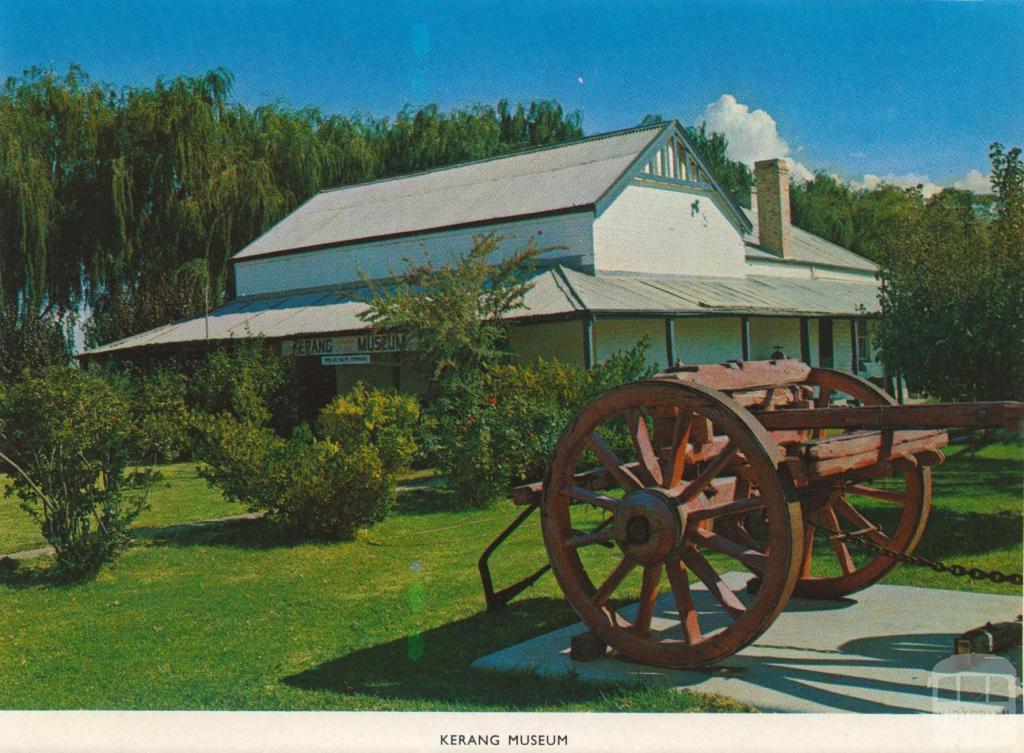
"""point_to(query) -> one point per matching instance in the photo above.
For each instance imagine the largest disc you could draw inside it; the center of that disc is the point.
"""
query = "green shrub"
(69, 436)
(245, 380)
(314, 485)
(236, 458)
(504, 432)
(161, 416)
(332, 492)
(386, 420)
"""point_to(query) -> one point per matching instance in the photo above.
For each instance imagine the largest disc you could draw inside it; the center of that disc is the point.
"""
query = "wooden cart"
(746, 463)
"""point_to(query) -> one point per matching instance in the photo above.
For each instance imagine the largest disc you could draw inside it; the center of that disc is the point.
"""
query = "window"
(863, 341)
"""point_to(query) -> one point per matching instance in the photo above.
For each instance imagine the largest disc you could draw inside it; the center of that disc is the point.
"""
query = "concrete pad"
(874, 651)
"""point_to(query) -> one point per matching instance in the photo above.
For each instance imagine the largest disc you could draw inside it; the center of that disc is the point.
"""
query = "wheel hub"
(648, 527)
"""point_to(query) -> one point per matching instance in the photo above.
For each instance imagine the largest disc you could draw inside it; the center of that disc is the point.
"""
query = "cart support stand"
(496, 600)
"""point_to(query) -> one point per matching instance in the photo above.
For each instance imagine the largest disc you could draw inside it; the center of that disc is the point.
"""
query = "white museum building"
(648, 244)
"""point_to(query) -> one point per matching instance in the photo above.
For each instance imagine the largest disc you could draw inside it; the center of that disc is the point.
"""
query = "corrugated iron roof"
(549, 179)
(556, 292)
(807, 248)
(271, 316)
(681, 294)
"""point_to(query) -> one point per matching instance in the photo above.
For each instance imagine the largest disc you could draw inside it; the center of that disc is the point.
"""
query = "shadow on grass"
(38, 572)
(419, 501)
(966, 474)
(255, 533)
(951, 533)
(434, 668)
(14, 575)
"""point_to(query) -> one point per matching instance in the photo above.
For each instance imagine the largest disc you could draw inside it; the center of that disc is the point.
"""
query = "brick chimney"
(773, 213)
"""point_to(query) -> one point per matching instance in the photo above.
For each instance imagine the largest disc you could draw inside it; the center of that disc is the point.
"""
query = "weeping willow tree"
(129, 202)
(50, 128)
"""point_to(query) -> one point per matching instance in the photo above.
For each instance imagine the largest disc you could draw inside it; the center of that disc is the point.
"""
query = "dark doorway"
(314, 386)
(825, 355)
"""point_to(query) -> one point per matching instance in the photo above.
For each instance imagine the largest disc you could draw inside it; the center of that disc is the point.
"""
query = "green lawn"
(179, 497)
(234, 618)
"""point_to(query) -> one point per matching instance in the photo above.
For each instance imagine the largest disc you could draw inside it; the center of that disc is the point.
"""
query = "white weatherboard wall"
(805, 271)
(775, 269)
(551, 340)
(708, 339)
(768, 331)
(613, 336)
(381, 259)
(828, 273)
(663, 231)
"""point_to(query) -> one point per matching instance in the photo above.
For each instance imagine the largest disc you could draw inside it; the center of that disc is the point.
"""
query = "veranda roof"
(557, 292)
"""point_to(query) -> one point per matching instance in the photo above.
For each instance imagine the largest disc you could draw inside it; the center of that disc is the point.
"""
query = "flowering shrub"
(386, 420)
(316, 486)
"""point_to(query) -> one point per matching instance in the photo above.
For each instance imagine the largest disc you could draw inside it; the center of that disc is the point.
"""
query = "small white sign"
(347, 360)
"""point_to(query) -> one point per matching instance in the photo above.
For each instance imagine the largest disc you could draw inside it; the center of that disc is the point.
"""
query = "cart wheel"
(607, 546)
(893, 511)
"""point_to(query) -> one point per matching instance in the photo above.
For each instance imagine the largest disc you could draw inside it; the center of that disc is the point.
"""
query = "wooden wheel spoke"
(706, 476)
(715, 465)
(735, 529)
(883, 494)
(751, 558)
(809, 531)
(695, 512)
(649, 470)
(718, 588)
(593, 498)
(828, 517)
(594, 537)
(648, 595)
(623, 476)
(844, 508)
(684, 601)
(680, 438)
(607, 588)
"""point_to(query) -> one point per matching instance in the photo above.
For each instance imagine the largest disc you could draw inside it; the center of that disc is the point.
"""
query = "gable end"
(671, 158)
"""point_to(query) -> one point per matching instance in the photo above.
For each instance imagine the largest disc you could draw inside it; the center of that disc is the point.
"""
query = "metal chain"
(975, 573)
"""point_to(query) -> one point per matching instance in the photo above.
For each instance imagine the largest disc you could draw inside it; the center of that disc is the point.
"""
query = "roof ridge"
(570, 290)
(496, 157)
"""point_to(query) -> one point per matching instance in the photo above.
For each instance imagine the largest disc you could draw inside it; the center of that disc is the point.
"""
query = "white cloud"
(975, 181)
(753, 134)
(908, 180)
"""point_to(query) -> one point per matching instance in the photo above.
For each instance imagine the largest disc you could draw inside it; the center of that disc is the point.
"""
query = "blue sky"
(899, 90)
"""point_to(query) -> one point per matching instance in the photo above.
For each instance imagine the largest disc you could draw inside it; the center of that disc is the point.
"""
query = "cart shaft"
(945, 415)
